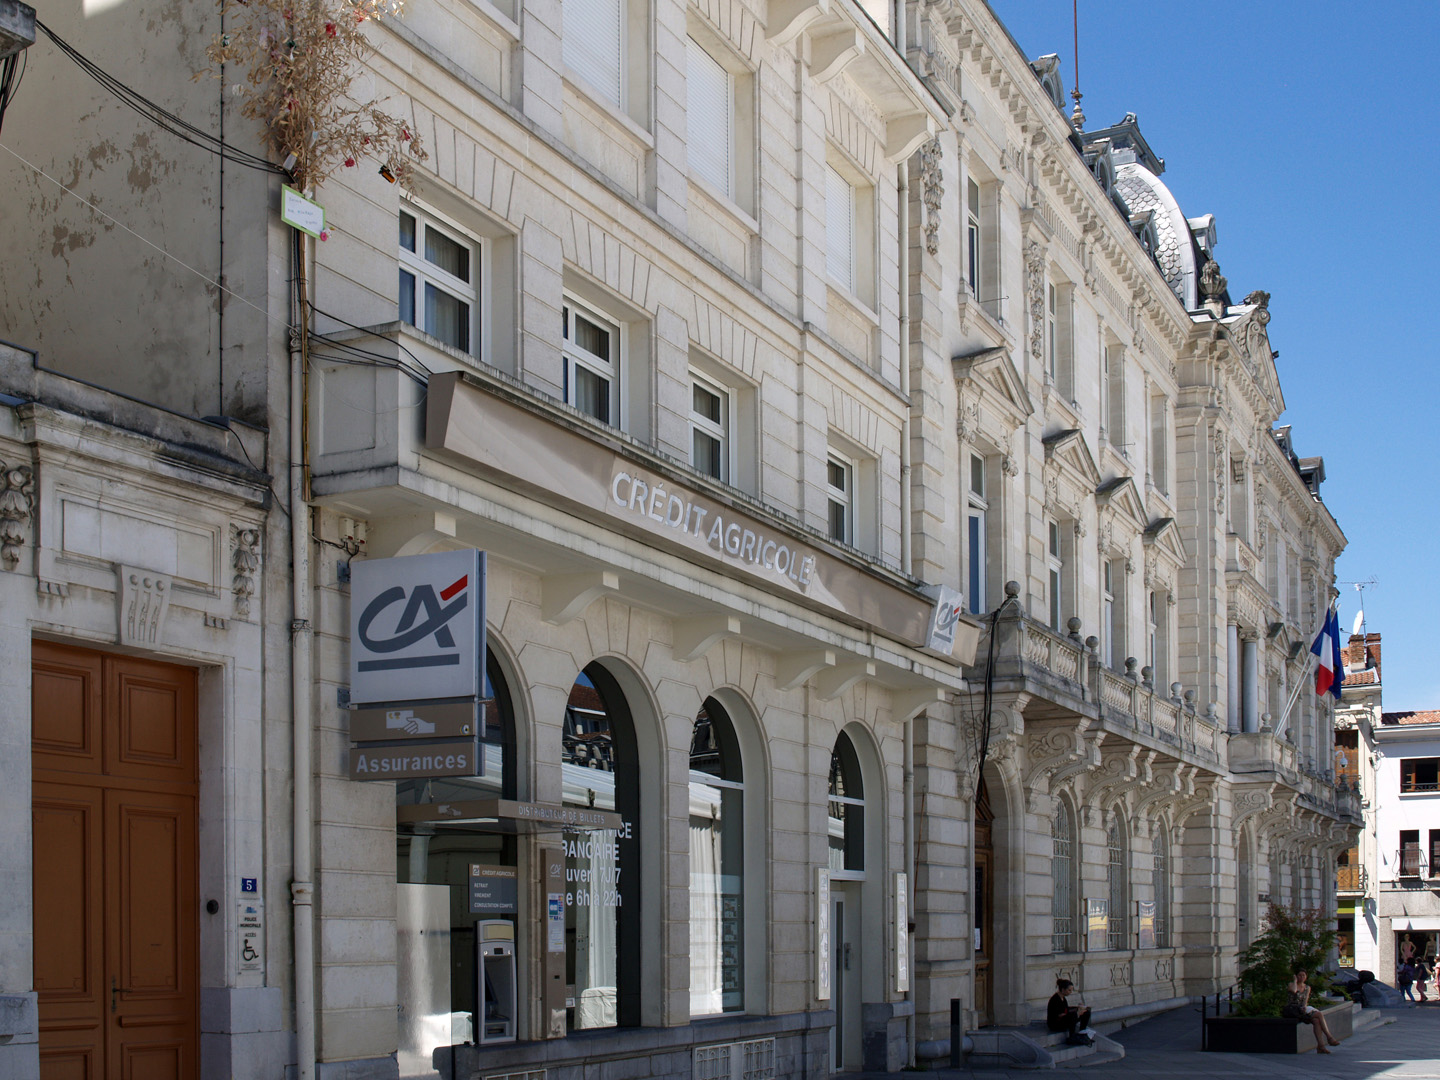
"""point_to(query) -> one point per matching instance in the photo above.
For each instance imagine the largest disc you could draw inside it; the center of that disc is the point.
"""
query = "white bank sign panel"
(417, 627)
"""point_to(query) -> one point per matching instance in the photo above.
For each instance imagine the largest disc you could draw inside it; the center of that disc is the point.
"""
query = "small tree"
(1293, 938)
(298, 60)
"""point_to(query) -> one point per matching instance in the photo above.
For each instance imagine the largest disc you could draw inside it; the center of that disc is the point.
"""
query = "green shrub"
(1292, 938)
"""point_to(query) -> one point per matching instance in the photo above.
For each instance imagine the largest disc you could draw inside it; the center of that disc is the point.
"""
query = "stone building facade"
(744, 339)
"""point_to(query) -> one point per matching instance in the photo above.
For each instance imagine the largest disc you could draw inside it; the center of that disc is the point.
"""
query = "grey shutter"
(709, 118)
(839, 228)
(593, 42)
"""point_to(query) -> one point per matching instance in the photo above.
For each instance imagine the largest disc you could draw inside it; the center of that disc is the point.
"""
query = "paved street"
(1169, 1046)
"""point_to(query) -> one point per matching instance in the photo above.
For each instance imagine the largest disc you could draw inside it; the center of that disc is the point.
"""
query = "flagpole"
(1294, 696)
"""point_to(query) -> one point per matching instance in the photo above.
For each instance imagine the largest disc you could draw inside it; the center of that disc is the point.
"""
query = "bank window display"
(846, 810)
(717, 870)
(602, 867)
(442, 993)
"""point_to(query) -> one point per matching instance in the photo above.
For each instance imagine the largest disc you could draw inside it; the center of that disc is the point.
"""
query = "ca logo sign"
(425, 615)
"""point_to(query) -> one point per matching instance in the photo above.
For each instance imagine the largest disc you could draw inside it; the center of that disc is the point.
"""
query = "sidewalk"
(1169, 1046)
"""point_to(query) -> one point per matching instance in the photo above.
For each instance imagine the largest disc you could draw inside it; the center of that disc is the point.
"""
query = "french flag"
(1330, 673)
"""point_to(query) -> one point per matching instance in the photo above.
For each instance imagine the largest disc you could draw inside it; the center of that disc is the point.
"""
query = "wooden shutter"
(593, 44)
(709, 118)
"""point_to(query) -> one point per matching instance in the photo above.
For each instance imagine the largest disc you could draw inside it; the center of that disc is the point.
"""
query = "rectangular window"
(1064, 339)
(840, 495)
(1159, 444)
(975, 536)
(1107, 614)
(710, 428)
(972, 238)
(1434, 853)
(439, 281)
(840, 229)
(710, 119)
(1056, 572)
(1115, 398)
(1409, 852)
(594, 44)
(591, 362)
(1419, 775)
(1051, 331)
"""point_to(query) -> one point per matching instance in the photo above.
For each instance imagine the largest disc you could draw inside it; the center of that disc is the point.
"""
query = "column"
(1232, 678)
(1250, 667)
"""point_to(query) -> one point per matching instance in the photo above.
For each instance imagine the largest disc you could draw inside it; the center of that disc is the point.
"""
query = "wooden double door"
(116, 913)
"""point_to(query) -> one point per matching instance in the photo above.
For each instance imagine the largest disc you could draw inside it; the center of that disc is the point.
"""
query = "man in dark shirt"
(1060, 1016)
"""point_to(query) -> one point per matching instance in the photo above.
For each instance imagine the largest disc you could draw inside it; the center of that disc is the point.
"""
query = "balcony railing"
(1351, 879)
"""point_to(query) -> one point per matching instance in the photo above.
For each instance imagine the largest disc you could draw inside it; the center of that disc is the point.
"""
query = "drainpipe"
(902, 188)
(302, 888)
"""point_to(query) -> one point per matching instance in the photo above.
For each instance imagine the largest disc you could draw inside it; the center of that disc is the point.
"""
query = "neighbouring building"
(1407, 828)
(747, 339)
(1357, 884)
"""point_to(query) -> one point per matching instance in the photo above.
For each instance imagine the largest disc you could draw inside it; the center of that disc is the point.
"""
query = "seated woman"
(1300, 998)
(1060, 1016)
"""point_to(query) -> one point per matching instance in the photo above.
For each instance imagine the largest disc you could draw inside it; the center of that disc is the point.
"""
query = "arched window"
(847, 808)
(1162, 887)
(717, 865)
(602, 867)
(1062, 872)
(1118, 878)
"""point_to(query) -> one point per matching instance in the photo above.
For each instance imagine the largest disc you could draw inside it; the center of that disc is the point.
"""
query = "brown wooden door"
(115, 886)
(984, 910)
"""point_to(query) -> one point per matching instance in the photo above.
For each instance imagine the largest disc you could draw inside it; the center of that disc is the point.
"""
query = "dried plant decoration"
(299, 59)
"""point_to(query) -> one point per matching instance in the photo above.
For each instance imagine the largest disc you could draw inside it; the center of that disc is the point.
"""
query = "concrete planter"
(1274, 1035)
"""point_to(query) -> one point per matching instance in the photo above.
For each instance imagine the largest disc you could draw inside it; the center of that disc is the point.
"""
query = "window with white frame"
(972, 237)
(840, 497)
(591, 358)
(1159, 443)
(1117, 876)
(1115, 398)
(839, 228)
(1109, 614)
(1162, 887)
(1052, 311)
(1063, 339)
(594, 45)
(977, 508)
(1062, 880)
(710, 419)
(1056, 568)
(439, 280)
(710, 119)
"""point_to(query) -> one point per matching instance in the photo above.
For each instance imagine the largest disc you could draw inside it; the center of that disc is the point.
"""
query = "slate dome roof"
(1142, 190)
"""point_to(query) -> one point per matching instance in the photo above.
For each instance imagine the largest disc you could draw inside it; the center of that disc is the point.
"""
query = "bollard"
(954, 1033)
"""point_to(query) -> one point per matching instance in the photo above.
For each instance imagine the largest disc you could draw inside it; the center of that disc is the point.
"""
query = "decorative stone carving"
(1009, 466)
(1212, 282)
(932, 190)
(1035, 296)
(144, 603)
(967, 422)
(17, 501)
(245, 562)
(1261, 299)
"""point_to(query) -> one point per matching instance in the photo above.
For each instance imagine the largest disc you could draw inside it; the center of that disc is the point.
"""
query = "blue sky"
(1307, 129)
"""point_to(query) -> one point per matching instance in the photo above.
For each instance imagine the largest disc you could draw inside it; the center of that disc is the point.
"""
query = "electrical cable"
(365, 329)
(159, 115)
(12, 70)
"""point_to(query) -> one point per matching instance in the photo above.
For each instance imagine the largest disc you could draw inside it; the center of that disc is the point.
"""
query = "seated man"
(1060, 1016)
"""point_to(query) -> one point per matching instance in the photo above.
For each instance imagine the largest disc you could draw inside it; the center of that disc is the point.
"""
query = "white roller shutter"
(709, 118)
(593, 44)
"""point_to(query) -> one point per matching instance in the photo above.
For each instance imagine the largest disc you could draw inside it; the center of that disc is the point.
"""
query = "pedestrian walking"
(1405, 979)
(1422, 976)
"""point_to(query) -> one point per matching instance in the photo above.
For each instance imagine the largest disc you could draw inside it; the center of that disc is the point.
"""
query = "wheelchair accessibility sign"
(251, 936)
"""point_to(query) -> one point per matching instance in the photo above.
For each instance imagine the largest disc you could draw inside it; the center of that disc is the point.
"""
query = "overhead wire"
(159, 115)
(12, 71)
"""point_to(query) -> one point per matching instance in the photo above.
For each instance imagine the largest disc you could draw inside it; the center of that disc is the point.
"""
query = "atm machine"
(495, 970)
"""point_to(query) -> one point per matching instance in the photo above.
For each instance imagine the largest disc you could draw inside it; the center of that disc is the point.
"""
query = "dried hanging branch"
(299, 58)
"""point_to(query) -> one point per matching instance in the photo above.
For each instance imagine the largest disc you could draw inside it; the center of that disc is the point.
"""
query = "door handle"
(847, 956)
(115, 990)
